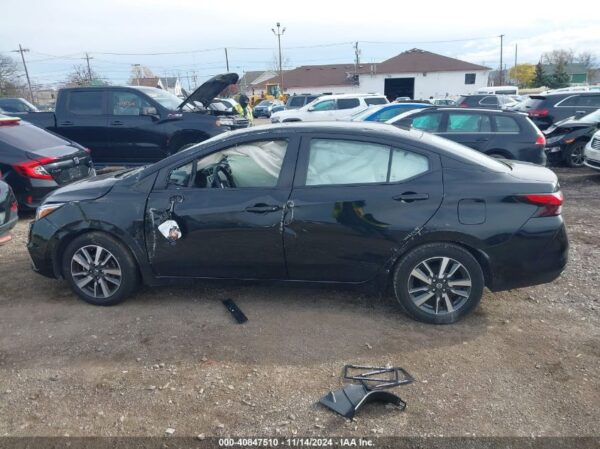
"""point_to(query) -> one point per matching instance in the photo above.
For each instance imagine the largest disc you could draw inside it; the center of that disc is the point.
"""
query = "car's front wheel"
(438, 283)
(573, 155)
(100, 269)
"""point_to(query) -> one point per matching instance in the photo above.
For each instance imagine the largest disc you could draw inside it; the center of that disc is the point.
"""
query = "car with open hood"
(353, 203)
(566, 140)
(136, 125)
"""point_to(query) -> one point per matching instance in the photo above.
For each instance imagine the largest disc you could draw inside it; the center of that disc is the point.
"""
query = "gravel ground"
(525, 363)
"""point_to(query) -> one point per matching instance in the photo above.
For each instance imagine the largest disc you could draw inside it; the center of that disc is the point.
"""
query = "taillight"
(9, 121)
(540, 140)
(13, 207)
(463, 105)
(550, 204)
(34, 169)
(538, 113)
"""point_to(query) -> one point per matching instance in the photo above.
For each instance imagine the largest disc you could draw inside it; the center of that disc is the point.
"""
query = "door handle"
(116, 123)
(409, 197)
(482, 139)
(67, 123)
(262, 209)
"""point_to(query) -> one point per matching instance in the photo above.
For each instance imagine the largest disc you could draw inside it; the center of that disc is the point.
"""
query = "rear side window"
(339, 162)
(590, 101)
(468, 123)
(375, 100)
(348, 103)
(428, 122)
(85, 102)
(506, 124)
(569, 102)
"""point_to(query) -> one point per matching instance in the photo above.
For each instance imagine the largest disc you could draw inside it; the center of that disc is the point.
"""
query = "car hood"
(206, 93)
(86, 189)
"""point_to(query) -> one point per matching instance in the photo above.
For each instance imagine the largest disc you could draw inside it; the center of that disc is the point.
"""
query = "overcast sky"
(59, 32)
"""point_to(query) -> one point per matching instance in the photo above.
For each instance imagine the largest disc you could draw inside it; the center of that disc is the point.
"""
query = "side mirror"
(150, 111)
(311, 109)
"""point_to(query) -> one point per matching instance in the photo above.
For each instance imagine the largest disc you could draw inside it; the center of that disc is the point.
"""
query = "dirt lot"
(526, 363)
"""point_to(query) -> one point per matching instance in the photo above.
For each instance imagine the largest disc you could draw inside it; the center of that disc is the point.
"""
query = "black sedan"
(500, 134)
(35, 162)
(566, 139)
(351, 203)
(8, 211)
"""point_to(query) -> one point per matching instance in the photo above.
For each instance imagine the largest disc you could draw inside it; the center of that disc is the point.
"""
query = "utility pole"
(501, 75)
(279, 34)
(227, 60)
(515, 55)
(87, 58)
(22, 51)
(356, 57)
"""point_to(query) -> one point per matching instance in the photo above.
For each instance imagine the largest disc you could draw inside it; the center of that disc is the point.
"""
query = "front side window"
(469, 78)
(468, 123)
(252, 164)
(340, 162)
(428, 122)
(348, 103)
(490, 101)
(85, 102)
(590, 101)
(128, 103)
(325, 105)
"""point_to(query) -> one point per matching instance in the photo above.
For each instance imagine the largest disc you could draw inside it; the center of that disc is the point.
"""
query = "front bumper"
(554, 153)
(41, 246)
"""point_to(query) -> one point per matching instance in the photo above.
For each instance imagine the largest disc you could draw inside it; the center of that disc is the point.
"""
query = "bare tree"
(555, 57)
(139, 72)
(9, 82)
(81, 77)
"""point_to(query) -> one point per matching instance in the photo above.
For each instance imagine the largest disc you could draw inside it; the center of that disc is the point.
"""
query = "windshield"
(166, 99)
(265, 103)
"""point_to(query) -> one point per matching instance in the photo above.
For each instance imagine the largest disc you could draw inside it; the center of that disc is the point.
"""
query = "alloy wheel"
(439, 285)
(96, 271)
(577, 156)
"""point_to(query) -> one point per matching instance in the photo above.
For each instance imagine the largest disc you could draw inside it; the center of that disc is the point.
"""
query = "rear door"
(469, 128)
(133, 135)
(354, 202)
(83, 119)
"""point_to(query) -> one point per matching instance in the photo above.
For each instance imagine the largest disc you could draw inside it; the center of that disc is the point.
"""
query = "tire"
(573, 155)
(496, 155)
(103, 289)
(410, 289)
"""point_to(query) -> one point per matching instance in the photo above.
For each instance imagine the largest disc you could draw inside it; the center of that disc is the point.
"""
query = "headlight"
(224, 122)
(46, 209)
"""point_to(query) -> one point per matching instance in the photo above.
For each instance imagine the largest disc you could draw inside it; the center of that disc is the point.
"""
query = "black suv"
(548, 109)
(483, 101)
(502, 134)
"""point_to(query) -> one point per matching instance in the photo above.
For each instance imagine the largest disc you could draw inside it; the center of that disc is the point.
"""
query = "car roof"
(334, 96)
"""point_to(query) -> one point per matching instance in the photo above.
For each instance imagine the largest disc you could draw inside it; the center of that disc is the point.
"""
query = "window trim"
(304, 154)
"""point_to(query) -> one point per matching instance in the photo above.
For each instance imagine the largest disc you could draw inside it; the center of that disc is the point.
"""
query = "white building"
(415, 73)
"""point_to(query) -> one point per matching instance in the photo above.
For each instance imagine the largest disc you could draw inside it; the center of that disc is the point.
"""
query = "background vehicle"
(385, 112)
(592, 152)
(351, 203)
(566, 140)
(484, 101)
(499, 90)
(500, 134)
(8, 211)
(330, 107)
(297, 101)
(265, 108)
(34, 162)
(442, 102)
(16, 106)
(137, 125)
(545, 110)
(223, 106)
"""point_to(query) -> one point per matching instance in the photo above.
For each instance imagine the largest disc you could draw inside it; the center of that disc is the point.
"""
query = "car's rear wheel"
(573, 155)
(438, 283)
(100, 269)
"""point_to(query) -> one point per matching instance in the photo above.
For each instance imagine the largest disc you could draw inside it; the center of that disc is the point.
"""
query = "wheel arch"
(186, 137)
(501, 152)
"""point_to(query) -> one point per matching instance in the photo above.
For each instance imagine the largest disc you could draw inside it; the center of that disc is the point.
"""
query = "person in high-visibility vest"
(244, 109)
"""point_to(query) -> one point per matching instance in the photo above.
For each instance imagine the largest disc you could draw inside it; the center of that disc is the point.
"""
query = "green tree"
(539, 78)
(560, 77)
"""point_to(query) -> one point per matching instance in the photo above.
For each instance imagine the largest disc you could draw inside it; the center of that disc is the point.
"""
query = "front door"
(229, 207)
(321, 111)
(354, 204)
(133, 135)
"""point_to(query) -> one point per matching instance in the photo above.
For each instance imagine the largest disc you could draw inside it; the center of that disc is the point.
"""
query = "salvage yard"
(526, 362)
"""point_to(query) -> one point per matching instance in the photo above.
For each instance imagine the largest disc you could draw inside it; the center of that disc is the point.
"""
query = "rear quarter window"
(506, 124)
(348, 103)
(375, 100)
